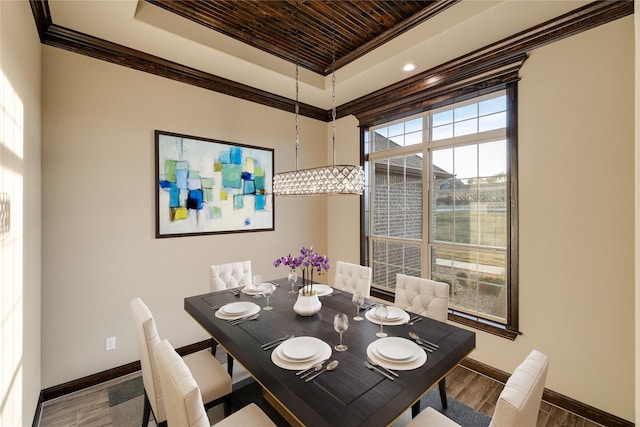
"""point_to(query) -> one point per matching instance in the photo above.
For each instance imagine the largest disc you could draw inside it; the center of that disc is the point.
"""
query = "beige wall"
(98, 196)
(20, 232)
(576, 214)
(637, 206)
(576, 183)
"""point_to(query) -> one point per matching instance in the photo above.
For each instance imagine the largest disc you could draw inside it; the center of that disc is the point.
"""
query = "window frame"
(511, 329)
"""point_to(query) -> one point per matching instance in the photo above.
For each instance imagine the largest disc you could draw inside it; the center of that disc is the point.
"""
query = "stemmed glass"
(257, 280)
(341, 324)
(267, 291)
(381, 313)
(358, 300)
(293, 278)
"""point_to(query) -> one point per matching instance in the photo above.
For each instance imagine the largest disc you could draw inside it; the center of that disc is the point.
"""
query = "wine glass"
(267, 291)
(358, 300)
(381, 313)
(257, 281)
(341, 324)
(293, 278)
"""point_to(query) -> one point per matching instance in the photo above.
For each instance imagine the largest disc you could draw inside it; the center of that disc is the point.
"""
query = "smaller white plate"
(396, 349)
(321, 290)
(252, 289)
(236, 308)
(395, 313)
(412, 363)
(300, 349)
(371, 316)
(253, 310)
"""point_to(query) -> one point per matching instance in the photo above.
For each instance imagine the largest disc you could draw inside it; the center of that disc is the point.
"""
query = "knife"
(276, 342)
(370, 366)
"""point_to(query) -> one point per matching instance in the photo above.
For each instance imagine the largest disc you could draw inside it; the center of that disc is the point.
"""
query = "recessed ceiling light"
(409, 67)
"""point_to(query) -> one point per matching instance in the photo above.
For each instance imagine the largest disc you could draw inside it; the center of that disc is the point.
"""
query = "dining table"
(352, 394)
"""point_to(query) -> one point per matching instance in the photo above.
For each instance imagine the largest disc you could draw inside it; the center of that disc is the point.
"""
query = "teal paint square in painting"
(260, 202)
(238, 201)
(225, 157)
(182, 165)
(232, 176)
(259, 182)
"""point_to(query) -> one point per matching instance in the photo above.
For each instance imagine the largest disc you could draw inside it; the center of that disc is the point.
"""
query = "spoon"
(419, 340)
(311, 370)
(330, 367)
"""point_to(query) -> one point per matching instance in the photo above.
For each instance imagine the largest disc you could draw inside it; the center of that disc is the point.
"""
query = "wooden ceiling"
(356, 26)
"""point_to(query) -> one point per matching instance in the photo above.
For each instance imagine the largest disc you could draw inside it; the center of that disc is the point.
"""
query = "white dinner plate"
(371, 316)
(321, 290)
(237, 308)
(255, 308)
(407, 365)
(278, 360)
(396, 349)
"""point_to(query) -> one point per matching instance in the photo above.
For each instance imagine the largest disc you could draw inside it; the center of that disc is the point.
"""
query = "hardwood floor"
(90, 407)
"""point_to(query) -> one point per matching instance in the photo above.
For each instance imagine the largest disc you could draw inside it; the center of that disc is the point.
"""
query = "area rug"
(126, 401)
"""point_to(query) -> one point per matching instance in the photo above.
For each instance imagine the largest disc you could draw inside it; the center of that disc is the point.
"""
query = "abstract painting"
(206, 186)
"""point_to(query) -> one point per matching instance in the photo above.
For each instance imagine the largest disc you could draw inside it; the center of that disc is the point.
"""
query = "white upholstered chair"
(519, 401)
(353, 277)
(183, 400)
(213, 380)
(427, 298)
(230, 275)
(422, 296)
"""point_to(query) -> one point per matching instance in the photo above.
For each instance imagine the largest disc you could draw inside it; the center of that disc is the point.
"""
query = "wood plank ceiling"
(356, 26)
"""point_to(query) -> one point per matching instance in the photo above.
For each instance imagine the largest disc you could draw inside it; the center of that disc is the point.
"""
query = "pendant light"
(326, 180)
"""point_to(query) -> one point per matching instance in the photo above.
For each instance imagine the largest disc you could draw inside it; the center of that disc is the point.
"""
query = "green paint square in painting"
(193, 174)
(182, 165)
(170, 170)
(258, 171)
(206, 182)
(232, 176)
(217, 167)
(207, 194)
(216, 212)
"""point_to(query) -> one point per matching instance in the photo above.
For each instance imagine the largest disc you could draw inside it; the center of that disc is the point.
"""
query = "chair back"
(519, 401)
(147, 338)
(422, 296)
(353, 277)
(182, 396)
(230, 275)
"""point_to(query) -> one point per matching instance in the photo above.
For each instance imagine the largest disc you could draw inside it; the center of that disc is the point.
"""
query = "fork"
(244, 319)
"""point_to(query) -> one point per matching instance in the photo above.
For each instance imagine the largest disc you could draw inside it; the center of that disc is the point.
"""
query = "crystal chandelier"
(326, 180)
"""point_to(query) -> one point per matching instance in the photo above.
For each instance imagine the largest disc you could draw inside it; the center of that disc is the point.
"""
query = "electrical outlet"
(110, 344)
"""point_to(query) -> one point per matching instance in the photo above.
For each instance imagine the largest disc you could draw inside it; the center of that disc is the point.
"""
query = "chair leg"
(442, 387)
(227, 405)
(230, 365)
(415, 409)
(146, 412)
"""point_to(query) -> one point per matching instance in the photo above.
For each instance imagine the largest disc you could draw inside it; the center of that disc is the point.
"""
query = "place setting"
(301, 353)
(395, 353)
(237, 311)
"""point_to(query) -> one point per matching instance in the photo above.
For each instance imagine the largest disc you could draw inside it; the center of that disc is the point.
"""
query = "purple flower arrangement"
(308, 261)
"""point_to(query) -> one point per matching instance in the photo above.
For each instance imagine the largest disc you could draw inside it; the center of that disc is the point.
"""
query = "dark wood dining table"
(350, 395)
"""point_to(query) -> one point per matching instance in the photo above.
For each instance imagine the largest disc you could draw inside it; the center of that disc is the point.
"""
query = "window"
(439, 204)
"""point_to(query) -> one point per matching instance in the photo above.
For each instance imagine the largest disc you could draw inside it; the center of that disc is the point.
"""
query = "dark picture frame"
(208, 186)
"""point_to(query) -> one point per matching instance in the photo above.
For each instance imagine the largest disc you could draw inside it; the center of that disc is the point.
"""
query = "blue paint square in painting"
(165, 185)
(181, 179)
(236, 155)
(225, 157)
(249, 187)
(174, 196)
(238, 201)
(194, 199)
(232, 176)
(247, 221)
(260, 202)
(246, 175)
